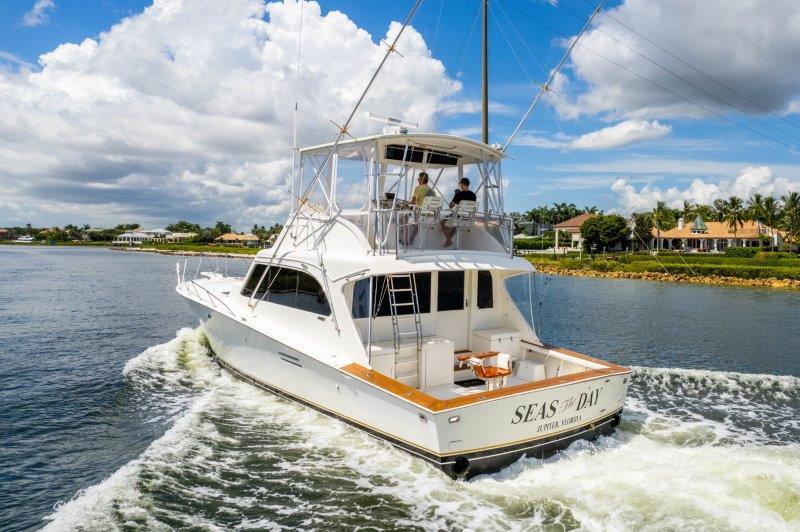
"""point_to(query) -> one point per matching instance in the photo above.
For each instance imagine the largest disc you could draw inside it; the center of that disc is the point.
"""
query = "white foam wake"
(699, 407)
(239, 458)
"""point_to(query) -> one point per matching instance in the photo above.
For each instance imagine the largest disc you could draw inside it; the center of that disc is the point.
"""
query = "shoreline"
(770, 282)
(714, 280)
(186, 253)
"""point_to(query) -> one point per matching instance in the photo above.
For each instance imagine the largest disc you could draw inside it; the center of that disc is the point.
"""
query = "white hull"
(489, 434)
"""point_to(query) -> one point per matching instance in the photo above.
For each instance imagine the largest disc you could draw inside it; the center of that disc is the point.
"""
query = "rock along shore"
(186, 253)
(770, 282)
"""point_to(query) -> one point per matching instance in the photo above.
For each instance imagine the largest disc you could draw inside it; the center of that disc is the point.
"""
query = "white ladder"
(402, 291)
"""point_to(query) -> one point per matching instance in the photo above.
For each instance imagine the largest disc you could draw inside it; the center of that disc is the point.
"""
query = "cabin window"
(252, 281)
(381, 295)
(485, 298)
(288, 287)
(451, 291)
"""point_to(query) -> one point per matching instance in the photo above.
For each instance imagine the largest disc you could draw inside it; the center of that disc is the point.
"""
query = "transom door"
(452, 307)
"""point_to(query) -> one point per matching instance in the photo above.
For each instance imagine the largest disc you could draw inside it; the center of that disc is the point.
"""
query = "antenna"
(391, 124)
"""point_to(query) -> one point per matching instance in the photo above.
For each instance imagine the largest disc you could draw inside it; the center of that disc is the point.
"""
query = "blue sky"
(661, 146)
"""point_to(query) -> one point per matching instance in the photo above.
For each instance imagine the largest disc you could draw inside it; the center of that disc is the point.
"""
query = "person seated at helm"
(417, 197)
(462, 194)
(421, 190)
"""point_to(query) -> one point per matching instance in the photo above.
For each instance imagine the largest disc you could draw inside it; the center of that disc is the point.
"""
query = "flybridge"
(371, 182)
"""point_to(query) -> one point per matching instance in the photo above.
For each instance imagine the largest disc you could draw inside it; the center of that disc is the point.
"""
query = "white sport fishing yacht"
(445, 366)
(396, 317)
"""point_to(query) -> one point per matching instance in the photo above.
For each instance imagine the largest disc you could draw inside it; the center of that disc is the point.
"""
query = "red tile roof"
(574, 223)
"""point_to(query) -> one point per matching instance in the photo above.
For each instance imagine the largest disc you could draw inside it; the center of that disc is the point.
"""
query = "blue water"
(113, 416)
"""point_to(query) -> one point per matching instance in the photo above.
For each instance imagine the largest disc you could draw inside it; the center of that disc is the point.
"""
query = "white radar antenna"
(391, 124)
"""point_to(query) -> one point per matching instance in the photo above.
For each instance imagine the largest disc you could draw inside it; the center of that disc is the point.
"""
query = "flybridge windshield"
(400, 192)
(396, 152)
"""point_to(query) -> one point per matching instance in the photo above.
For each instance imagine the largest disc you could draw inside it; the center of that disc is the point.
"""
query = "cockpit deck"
(569, 367)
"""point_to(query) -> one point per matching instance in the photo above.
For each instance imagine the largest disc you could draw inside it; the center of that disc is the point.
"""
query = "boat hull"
(471, 446)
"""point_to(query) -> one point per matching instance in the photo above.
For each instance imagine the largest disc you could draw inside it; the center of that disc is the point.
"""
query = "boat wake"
(696, 449)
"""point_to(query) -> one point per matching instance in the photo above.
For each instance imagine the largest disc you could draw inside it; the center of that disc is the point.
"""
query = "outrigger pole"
(485, 98)
(485, 76)
(546, 85)
(342, 132)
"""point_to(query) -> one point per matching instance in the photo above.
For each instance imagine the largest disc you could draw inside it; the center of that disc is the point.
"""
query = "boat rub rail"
(434, 404)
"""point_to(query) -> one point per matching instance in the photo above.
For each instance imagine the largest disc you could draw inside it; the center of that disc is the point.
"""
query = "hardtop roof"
(470, 151)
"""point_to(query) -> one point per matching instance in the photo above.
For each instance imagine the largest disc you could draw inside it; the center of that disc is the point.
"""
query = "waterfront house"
(701, 235)
(573, 227)
(155, 235)
(237, 240)
(4, 234)
(179, 237)
(131, 238)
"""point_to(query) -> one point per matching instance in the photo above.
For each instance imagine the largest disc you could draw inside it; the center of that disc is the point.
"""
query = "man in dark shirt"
(463, 193)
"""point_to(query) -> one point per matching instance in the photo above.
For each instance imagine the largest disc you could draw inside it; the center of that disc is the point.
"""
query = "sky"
(121, 111)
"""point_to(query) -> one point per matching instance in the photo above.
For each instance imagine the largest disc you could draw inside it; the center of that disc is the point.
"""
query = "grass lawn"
(688, 264)
(203, 248)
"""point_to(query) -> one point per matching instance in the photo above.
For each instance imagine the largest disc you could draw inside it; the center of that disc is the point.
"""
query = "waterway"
(112, 416)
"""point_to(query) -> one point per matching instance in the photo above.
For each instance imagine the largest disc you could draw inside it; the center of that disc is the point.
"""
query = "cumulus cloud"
(38, 13)
(619, 135)
(750, 180)
(616, 136)
(461, 106)
(745, 45)
(185, 110)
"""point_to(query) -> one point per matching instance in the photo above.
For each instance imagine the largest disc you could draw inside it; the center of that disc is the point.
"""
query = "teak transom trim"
(433, 404)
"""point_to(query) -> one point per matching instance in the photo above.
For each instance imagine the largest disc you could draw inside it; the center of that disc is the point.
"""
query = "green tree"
(772, 215)
(734, 215)
(126, 227)
(182, 226)
(755, 208)
(660, 220)
(642, 229)
(220, 228)
(705, 211)
(602, 233)
(720, 209)
(790, 220)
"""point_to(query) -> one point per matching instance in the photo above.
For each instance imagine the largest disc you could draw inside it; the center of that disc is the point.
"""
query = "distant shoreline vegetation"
(762, 268)
(192, 234)
(780, 213)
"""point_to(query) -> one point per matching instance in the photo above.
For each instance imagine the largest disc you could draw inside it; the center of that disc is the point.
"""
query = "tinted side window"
(450, 291)
(290, 288)
(310, 295)
(282, 287)
(252, 281)
(381, 295)
(485, 298)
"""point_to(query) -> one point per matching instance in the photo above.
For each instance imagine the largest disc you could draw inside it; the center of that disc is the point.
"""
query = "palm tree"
(791, 215)
(657, 210)
(755, 208)
(687, 210)
(705, 211)
(771, 212)
(720, 209)
(734, 215)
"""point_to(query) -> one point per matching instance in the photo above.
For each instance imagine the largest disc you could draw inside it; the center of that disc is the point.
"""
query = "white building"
(179, 237)
(131, 239)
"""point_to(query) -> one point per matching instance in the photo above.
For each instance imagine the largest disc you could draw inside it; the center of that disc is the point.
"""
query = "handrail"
(212, 296)
(482, 221)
